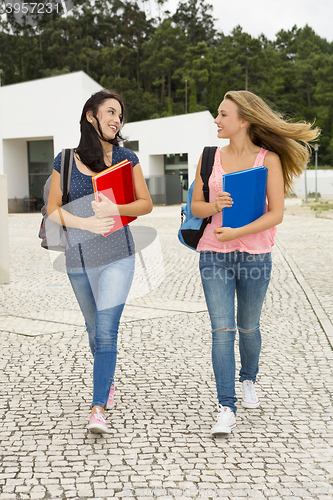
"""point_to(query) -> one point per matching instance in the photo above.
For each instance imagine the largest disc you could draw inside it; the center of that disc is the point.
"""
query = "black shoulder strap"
(206, 168)
(66, 173)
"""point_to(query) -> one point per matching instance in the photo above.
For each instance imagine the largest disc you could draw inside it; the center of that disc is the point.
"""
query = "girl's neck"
(107, 153)
(241, 146)
(107, 148)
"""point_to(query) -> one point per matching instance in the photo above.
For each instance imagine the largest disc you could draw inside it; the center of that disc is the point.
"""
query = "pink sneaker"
(97, 423)
(110, 403)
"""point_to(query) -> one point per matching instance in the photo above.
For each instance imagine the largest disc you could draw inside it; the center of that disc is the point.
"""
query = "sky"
(269, 16)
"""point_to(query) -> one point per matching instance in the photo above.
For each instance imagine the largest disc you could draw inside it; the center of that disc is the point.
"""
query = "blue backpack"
(192, 228)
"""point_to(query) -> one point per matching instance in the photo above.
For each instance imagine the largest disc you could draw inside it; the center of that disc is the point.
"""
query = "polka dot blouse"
(86, 249)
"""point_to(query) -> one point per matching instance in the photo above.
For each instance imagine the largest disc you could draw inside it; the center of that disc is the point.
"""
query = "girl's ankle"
(97, 409)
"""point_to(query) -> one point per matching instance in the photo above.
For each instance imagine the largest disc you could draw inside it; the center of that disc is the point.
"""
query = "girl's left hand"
(225, 234)
(104, 208)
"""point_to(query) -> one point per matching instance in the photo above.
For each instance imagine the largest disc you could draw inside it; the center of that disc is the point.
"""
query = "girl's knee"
(249, 331)
(223, 336)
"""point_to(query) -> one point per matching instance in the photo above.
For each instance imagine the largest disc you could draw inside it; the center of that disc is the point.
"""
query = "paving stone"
(165, 397)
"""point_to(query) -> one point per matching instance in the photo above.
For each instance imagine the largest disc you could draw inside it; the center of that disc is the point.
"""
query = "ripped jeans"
(222, 275)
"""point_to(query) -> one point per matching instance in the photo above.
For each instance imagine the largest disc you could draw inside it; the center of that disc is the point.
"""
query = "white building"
(37, 120)
(324, 183)
(41, 117)
(169, 150)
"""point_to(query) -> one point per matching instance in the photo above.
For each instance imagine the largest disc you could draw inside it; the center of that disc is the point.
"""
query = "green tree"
(196, 21)
(163, 54)
(157, 63)
(246, 53)
(195, 72)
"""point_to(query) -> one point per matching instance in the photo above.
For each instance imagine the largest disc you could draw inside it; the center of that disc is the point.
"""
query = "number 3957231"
(31, 8)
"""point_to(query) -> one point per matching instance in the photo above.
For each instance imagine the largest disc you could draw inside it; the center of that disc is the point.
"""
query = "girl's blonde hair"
(269, 130)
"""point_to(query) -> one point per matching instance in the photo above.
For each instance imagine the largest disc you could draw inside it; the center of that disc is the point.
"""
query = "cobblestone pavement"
(160, 444)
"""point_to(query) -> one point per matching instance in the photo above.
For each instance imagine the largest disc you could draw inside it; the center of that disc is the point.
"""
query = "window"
(176, 161)
(132, 145)
(40, 165)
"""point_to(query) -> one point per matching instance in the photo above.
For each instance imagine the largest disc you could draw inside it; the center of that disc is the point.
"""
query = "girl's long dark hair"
(90, 150)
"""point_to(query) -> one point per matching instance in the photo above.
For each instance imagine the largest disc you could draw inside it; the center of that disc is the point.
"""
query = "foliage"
(175, 63)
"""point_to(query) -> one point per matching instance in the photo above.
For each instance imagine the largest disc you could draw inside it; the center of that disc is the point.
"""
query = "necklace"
(108, 158)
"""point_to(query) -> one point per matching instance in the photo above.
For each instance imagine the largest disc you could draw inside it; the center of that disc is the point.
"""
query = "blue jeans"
(101, 293)
(222, 275)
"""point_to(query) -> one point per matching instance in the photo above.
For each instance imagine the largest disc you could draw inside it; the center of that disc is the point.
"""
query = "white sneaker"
(250, 398)
(226, 421)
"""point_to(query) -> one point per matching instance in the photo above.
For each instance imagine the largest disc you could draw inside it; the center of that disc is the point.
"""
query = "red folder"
(117, 184)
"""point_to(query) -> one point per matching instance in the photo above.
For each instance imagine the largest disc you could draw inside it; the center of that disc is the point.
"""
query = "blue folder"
(247, 188)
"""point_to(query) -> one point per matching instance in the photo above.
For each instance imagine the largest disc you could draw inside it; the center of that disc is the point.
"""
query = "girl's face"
(228, 121)
(110, 117)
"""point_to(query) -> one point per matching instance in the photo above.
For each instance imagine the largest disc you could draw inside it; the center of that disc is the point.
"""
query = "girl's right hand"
(223, 200)
(97, 225)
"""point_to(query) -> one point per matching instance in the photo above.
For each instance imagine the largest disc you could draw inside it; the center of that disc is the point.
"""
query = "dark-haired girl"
(99, 268)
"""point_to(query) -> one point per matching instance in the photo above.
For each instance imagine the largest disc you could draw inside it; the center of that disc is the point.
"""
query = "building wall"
(15, 163)
(49, 108)
(172, 135)
(155, 179)
(155, 165)
(324, 183)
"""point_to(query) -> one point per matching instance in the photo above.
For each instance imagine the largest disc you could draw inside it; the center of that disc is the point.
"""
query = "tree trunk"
(40, 47)
(138, 70)
(169, 82)
(163, 90)
(193, 98)
(185, 96)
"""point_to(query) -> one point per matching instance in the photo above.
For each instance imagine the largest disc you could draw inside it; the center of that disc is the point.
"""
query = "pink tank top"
(252, 243)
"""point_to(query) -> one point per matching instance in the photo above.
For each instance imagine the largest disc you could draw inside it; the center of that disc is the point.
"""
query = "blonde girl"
(238, 260)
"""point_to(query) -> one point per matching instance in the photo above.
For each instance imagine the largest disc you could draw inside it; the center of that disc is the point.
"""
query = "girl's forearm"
(64, 218)
(266, 221)
(202, 209)
(136, 208)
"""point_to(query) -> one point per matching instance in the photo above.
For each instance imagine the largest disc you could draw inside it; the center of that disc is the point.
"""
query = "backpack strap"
(207, 163)
(67, 156)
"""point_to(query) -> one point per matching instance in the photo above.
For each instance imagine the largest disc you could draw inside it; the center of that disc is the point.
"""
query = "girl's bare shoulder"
(272, 160)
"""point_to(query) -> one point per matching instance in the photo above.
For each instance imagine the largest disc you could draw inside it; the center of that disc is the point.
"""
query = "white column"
(4, 233)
